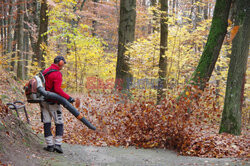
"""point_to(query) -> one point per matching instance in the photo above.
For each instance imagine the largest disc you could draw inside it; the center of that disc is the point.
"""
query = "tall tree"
(32, 15)
(126, 35)
(14, 48)
(205, 10)
(42, 37)
(94, 22)
(231, 116)
(26, 42)
(10, 28)
(20, 34)
(2, 27)
(212, 48)
(4, 22)
(162, 85)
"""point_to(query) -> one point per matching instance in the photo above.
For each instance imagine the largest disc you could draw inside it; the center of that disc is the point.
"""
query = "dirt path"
(118, 156)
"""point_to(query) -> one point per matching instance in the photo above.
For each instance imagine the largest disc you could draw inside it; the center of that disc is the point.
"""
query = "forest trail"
(78, 155)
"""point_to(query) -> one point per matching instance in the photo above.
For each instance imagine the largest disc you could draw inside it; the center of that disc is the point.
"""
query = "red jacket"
(53, 81)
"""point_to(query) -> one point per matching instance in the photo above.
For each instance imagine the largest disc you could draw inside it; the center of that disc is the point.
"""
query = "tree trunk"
(205, 11)
(197, 13)
(2, 28)
(212, 48)
(74, 24)
(26, 44)
(162, 85)
(20, 20)
(33, 19)
(42, 38)
(126, 35)
(94, 22)
(10, 25)
(231, 116)
(5, 19)
(14, 46)
(26, 54)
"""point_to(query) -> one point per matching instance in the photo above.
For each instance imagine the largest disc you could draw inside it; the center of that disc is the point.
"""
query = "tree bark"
(10, 25)
(212, 48)
(211, 51)
(42, 37)
(231, 116)
(33, 19)
(2, 28)
(20, 20)
(205, 11)
(26, 43)
(162, 85)
(94, 22)
(197, 14)
(14, 46)
(126, 35)
(5, 25)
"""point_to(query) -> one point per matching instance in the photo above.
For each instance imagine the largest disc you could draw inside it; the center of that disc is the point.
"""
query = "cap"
(58, 58)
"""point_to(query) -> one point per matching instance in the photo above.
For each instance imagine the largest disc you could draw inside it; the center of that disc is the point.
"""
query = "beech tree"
(34, 22)
(94, 22)
(215, 40)
(10, 28)
(162, 85)
(213, 45)
(42, 38)
(126, 35)
(231, 116)
(20, 34)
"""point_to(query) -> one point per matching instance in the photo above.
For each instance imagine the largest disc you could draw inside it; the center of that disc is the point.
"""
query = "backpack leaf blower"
(36, 93)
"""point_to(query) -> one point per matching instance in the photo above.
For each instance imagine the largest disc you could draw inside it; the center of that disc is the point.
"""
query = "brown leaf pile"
(143, 124)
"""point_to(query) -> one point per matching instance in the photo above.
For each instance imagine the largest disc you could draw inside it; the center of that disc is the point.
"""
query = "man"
(51, 109)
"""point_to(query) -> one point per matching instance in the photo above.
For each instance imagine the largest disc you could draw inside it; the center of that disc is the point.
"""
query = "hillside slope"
(19, 145)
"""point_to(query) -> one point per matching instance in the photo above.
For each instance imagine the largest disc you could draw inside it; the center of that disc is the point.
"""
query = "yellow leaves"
(63, 86)
(84, 27)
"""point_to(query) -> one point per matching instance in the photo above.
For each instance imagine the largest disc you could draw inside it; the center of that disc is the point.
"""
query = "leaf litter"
(144, 124)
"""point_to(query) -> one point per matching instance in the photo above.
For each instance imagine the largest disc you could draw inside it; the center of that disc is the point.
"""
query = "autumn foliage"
(143, 124)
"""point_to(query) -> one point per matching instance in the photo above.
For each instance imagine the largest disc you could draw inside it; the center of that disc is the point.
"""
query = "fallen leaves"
(143, 124)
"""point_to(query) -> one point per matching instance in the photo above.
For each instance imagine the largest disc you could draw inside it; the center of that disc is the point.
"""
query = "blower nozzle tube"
(67, 105)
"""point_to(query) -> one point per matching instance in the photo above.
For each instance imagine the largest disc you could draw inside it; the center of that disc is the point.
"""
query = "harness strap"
(50, 71)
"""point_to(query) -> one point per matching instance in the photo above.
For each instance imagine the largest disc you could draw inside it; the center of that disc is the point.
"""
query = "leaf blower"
(36, 93)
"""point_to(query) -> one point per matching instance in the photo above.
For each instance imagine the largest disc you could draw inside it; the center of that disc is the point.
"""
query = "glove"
(71, 100)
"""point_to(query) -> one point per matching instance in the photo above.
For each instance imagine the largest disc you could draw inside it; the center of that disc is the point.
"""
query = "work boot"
(49, 148)
(58, 149)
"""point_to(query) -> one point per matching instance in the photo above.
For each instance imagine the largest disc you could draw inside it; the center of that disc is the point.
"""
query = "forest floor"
(90, 155)
(20, 145)
(29, 152)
